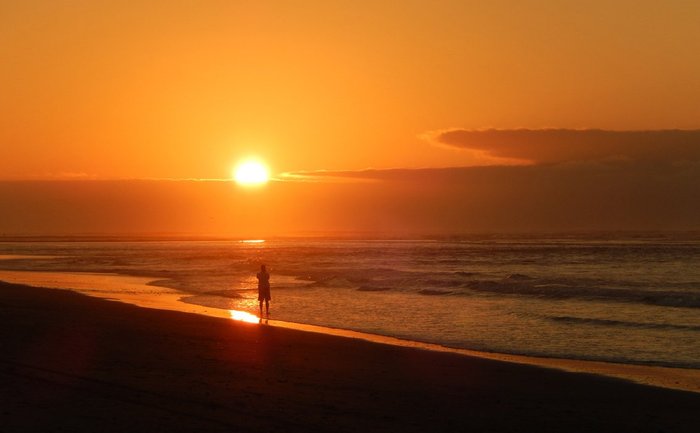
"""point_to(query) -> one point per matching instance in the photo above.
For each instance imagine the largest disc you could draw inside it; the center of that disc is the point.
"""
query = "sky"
(377, 116)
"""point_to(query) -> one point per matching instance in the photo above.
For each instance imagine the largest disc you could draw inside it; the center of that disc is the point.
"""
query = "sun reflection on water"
(243, 316)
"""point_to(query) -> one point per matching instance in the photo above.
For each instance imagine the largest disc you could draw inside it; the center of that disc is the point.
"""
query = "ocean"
(624, 298)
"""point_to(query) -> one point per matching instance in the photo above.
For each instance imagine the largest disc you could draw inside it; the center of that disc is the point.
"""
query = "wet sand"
(69, 362)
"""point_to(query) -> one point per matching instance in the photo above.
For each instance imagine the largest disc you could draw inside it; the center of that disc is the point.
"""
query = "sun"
(251, 173)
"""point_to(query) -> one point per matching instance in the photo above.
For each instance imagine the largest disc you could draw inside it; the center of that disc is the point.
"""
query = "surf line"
(664, 377)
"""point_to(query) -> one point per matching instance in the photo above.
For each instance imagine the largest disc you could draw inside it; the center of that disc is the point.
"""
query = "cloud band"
(541, 146)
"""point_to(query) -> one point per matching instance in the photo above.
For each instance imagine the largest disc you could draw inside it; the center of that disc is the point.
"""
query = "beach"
(322, 216)
(74, 363)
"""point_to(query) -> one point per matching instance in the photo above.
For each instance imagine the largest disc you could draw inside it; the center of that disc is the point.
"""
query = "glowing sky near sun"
(369, 115)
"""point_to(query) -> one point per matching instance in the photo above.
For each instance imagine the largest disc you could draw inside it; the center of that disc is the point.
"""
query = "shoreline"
(105, 286)
(71, 362)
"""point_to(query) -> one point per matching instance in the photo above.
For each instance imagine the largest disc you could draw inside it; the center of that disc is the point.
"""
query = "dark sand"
(73, 363)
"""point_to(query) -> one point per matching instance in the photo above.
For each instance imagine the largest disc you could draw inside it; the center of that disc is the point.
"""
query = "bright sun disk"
(251, 173)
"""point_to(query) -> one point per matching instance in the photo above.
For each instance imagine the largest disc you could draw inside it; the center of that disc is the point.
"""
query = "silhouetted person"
(264, 290)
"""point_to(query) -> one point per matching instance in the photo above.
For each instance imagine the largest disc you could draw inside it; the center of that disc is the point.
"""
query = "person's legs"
(261, 302)
(267, 307)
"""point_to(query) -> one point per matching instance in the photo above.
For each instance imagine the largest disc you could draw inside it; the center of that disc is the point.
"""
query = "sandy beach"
(74, 363)
(139, 291)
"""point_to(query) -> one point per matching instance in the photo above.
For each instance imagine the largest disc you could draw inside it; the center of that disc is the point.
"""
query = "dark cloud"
(542, 146)
(590, 196)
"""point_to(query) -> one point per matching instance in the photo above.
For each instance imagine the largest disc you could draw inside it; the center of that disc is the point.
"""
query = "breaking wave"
(621, 323)
(558, 289)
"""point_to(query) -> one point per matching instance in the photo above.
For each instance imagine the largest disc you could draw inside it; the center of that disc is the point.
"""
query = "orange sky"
(183, 90)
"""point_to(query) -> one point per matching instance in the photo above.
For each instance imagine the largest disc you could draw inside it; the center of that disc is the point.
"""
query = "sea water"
(621, 298)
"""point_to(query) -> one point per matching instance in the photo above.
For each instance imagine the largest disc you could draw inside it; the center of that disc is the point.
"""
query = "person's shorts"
(264, 295)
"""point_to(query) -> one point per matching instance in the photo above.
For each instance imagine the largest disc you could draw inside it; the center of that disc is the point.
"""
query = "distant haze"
(618, 196)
